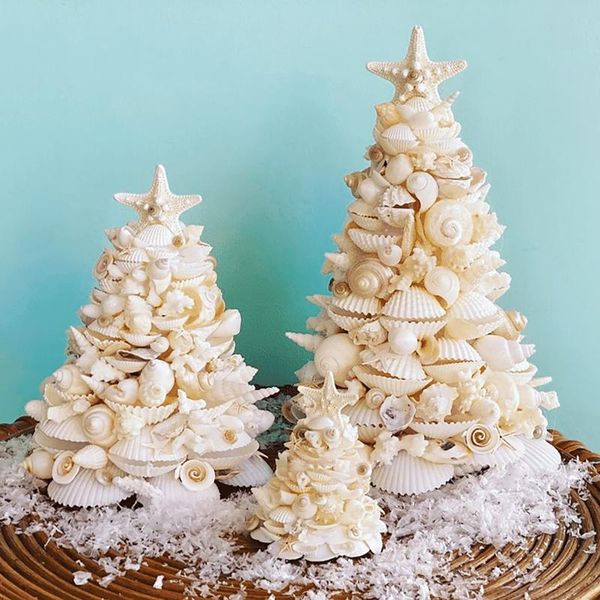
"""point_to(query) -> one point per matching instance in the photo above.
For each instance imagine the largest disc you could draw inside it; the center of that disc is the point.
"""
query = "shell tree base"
(444, 379)
(152, 400)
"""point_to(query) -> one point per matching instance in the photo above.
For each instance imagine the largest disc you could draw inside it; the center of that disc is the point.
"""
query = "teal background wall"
(262, 107)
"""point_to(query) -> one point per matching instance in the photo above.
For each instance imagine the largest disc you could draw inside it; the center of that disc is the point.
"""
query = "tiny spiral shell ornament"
(368, 278)
(448, 223)
(374, 398)
(481, 439)
(331, 435)
(99, 425)
(340, 289)
(65, 469)
(443, 283)
(304, 507)
(196, 475)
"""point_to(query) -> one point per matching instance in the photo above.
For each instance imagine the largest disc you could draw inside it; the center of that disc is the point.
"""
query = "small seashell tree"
(411, 324)
(152, 400)
(316, 505)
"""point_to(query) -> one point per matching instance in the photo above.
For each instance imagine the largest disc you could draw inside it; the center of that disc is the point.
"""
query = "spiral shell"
(398, 169)
(303, 507)
(68, 379)
(196, 475)
(64, 468)
(482, 439)
(99, 425)
(443, 283)
(368, 278)
(337, 354)
(157, 371)
(152, 394)
(448, 223)
(374, 398)
(424, 187)
(39, 464)
(91, 457)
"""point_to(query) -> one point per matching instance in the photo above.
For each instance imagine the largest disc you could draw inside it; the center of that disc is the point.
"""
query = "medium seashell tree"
(316, 505)
(152, 400)
(411, 324)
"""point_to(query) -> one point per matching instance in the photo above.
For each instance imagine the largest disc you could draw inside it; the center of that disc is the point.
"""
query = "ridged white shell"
(456, 350)
(149, 414)
(69, 430)
(85, 490)
(420, 328)
(228, 459)
(138, 339)
(357, 304)
(50, 443)
(109, 331)
(252, 472)
(397, 138)
(91, 457)
(450, 373)
(442, 430)
(140, 449)
(169, 323)
(37, 409)
(360, 414)
(410, 475)
(371, 242)
(155, 235)
(403, 367)
(390, 385)
(174, 492)
(364, 216)
(347, 322)
(413, 304)
(472, 306)
(540, 455)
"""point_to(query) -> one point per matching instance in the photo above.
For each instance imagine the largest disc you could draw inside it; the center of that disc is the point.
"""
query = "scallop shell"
(448, 223)
(142, 449)
(413, 304)
(361, 414)
(410, 475)
(368, 278)
(99, 426)
(435, 132)
(126, 365)
(421, 329)
(251, 472)
(91, 457)
(450, 373)
(229, 459)
(36, 409)
(353, 303)
(53, 444)
(506, 453)
(471, 306)
(148, 414)
(539, 455)
(69, 430)
(155, 235)
(347, 322)
(173, 492)
(403, 367)
(390, 385)
(196, 475)
(138, 339)
(444, 283)
(456, 350)
(169, 323)
(282, 514)
(397, 138)
(424, 187)
(441, 430)
(85, 491)
(364, 215)
(372, 242)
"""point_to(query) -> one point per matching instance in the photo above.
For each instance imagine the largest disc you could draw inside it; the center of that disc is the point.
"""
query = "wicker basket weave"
(31, 568)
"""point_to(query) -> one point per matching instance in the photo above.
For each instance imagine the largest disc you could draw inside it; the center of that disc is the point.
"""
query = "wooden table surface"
(31, 568)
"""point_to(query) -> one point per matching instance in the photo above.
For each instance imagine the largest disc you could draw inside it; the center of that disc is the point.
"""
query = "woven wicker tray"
(32, 568)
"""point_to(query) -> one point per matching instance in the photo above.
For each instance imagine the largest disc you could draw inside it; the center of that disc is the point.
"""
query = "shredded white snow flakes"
(158, 583)
(497, 507)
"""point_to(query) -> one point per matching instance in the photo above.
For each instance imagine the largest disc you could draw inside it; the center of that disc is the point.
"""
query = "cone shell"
(252, 472)
(441, 431)
(229, 459)
(85, 490)
(413, 304)
(353, 303)
(390, 385)
(410, 475)
(371, 242)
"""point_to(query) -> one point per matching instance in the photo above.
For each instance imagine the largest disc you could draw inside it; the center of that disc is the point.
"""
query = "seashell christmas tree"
(316, 505)
(444, 382)
(152, 400)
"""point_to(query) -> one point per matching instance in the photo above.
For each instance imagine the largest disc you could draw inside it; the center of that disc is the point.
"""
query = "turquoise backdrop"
(262, 107)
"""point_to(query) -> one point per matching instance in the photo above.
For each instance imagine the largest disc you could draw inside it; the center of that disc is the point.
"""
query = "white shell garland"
(155, 338)
(414, 288)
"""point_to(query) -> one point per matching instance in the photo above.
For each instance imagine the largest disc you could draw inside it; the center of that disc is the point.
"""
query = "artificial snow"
(497, 507)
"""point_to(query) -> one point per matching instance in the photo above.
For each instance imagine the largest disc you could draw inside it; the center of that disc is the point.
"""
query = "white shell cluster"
(316, 505)
(153, 399)
(412, 323)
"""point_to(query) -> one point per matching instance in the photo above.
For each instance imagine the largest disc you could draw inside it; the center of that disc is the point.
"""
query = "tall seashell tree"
(152, 400)
(411, 325)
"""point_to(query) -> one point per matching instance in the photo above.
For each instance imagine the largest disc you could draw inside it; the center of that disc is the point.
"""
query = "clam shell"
(410, 475)
(503, 455)
(471, 306)
(69, 430)
(155, 235)
(403, 367)
(138, 339)
(456, 350)
(91, 457)
(539, 455)
(127, 366)
(85, 491)
(282, 514)
(365, 216)
(397, 138)
(109, 331)
(252, 472)
(390, 385)
(173, 492)
(360, 414)
(413, 304)
(347, 322)
(450, 373)
(353, 303)
(441, 431)
(420, 328)
(141, 449)
(371, 242)
(229, 459)
(149, 414)
(169, 323)
(368, 434)
(51, 443)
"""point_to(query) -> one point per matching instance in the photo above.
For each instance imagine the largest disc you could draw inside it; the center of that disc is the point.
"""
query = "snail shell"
(303, 507)
(482, 439)
(112, 304)
(448, 223)
(39, 464)
(91, 457)
(99, 425)
(403, 341)
(398, 169)
(124, 392)
(374, 398)
(196, 475)
(390, 255)
(64, 468)
(368, 278)
(444, 283)
(68, 379)
(369, 190)
(152, 394)
(424, 187)
(160, 372)
(337, 354)
(159, 269)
